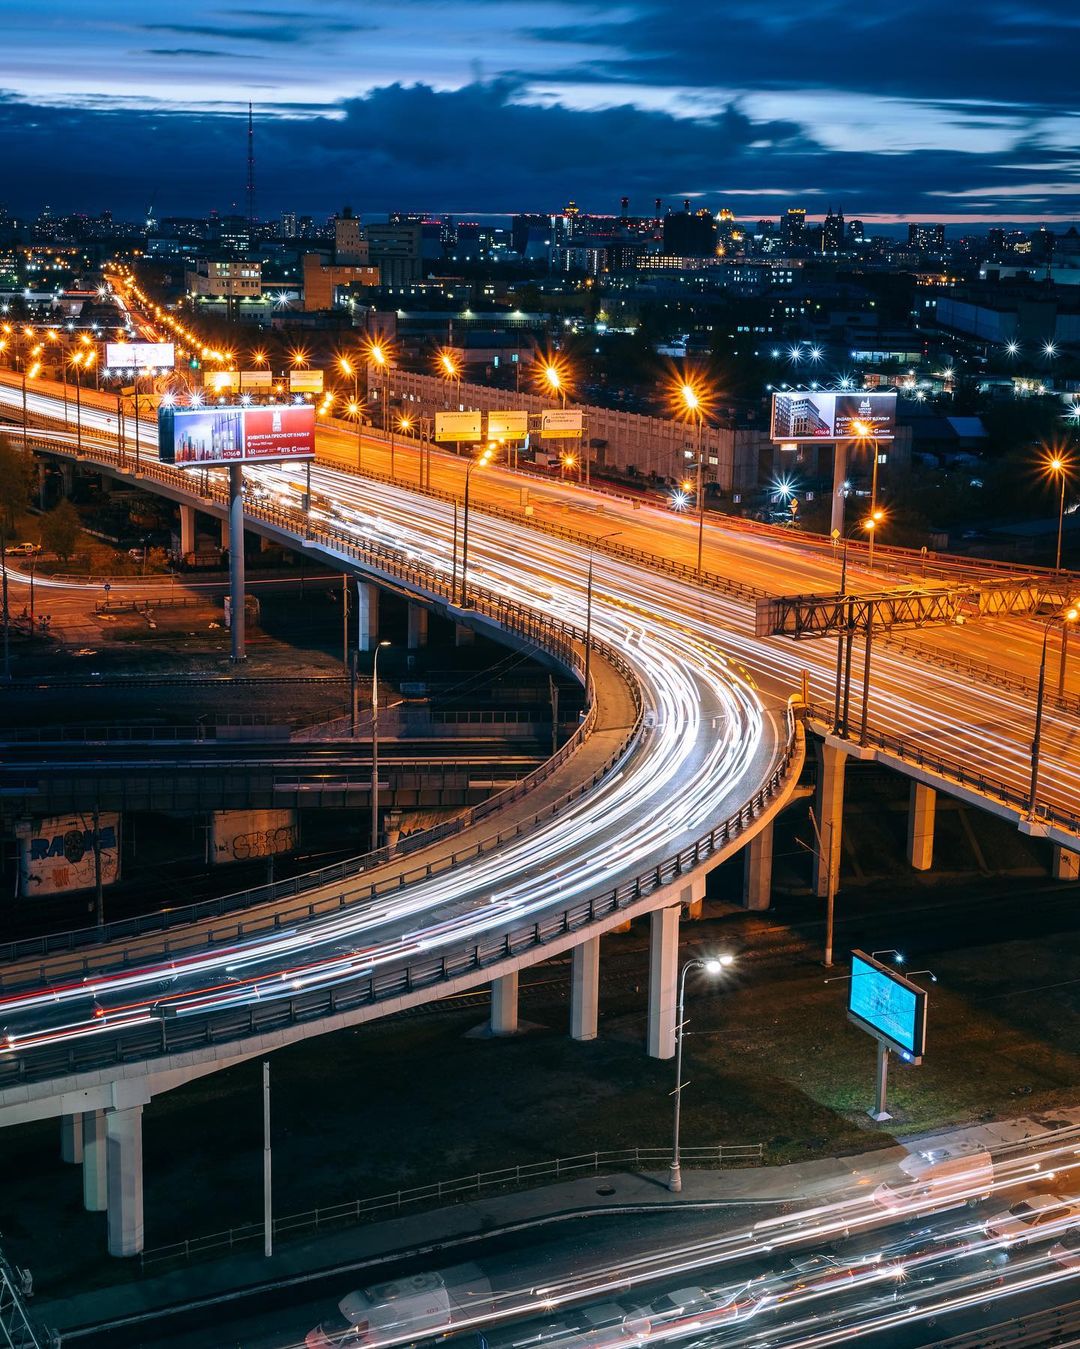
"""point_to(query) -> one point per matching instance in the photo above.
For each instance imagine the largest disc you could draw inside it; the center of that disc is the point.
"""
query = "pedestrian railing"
(461, 1188)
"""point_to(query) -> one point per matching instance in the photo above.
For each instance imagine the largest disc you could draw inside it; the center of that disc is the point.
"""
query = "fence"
(460, 1188)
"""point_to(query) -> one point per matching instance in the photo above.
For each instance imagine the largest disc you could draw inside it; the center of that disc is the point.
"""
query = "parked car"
(1029, 1220)
(22, 549)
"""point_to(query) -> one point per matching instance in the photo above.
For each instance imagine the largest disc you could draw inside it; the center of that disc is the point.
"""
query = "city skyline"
(521, 104)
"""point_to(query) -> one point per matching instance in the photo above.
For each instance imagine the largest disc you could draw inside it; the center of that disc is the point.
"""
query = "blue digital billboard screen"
(888, 1005)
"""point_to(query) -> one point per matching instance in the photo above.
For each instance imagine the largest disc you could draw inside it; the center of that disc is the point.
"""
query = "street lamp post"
(1059, 465)
(1070, 615)
(480, 462)
(692, 407)
(375, 746)
(588, 607)
(713, 966)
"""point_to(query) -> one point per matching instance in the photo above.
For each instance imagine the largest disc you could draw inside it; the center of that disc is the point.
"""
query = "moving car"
(403, 1308)
(937, 1181)
(1067, 1251)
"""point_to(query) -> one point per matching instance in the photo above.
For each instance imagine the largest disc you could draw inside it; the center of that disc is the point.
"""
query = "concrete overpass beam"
(504, 1005)
(124, 1132)
(695, 900)
(585, 989)
(187, 529)
(829, 807)
(418, 626)
(95, 1165)
(663, 981)
(367, 616)
(920, 826)
(1065, 865)
(757, 870)
(71, 1139)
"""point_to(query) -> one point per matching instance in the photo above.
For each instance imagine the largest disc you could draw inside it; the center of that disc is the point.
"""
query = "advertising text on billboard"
(804, 415)
(140, 355)
(891, 1007)
(191, 437)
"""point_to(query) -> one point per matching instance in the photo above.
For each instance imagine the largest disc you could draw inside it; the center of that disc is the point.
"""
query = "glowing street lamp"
(690, 401)
(713, 966)
(1059, 465)
(481, 461)
(872, 524)
(355, 408)
(378, 355)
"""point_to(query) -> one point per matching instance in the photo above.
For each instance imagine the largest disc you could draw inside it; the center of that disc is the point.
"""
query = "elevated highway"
(701, 752)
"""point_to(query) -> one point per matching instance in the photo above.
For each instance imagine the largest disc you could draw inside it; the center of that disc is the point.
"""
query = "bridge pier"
(95, 1165)
(504, 1005)
(187, 529)
(417, 626)
(367, 616)
(663, 981)
(237, 616)
(71, 1139)
(225, 534)
(463, 635)
(585, 989)
(832, 763)
(125, 1180)
(1065, 865)
(757, 870)
(920, 827)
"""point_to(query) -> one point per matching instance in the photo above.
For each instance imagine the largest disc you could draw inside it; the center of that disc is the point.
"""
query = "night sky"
(911, 109)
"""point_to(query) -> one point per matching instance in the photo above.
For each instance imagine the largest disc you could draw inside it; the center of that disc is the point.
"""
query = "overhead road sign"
(305, 381)
(562, 424)
(256, 379)
(200, 437)
(508, 425)
(458, 426)
(803, 415)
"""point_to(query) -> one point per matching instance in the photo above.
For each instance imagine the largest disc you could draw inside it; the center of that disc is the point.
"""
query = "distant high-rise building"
(855, 232)
(832, 232)
(996, 241)
(350, 247)
(793, 226)
(288, 225)
(689, 235)
(926, 238)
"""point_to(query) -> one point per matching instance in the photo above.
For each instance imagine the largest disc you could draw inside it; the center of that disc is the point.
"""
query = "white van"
(938, 1180)
(407, 1308)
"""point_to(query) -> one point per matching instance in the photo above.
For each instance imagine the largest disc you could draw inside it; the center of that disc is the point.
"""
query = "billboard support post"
(236, 561)
(879, 1113)
(839, 498)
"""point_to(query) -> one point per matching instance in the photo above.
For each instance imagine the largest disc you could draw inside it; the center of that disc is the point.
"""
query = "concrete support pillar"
(504, 1005)
(237, 615)
(695, 900)
(187, 529)
(418, 626)
(829, 808)
(124, 1132)
(920, 826)
(663, 981)
(463, 636)
(1065, 865)
(585, 989)
(225, 534)
(71, 1139)
(67, 477)
(757, 870)
(42, 474)
(95, 1165)
(367, 616)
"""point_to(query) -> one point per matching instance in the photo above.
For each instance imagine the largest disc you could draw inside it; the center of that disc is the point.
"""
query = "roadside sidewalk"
(432, 1232)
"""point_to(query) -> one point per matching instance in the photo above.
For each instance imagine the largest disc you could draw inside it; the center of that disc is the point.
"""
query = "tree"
(14, 484)
(60, 530)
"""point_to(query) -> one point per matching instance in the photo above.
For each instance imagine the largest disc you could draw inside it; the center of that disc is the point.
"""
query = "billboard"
(562, 425)
(890, 1007)
(56, 854)
(805, 415)
(305, 381)
(508, 425)
(242, 835)
(140, 355)
(193, 437)
(458, 426)
(256, 379)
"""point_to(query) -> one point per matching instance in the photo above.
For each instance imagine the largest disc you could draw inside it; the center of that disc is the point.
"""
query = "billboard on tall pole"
(813, 414)
(197, 437)
(140, 355)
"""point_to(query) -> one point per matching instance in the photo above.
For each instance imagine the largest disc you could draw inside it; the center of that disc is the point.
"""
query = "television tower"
(251, 176)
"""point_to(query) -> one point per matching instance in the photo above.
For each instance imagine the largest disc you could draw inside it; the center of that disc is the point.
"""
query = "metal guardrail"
(955, 771)
(986, 671)
(1034, 1330)
(189, 1033)
(461, 1187)
(205, 728)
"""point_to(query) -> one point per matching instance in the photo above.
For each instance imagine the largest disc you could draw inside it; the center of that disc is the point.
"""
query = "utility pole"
(268, 1206)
